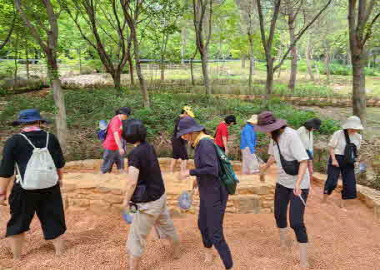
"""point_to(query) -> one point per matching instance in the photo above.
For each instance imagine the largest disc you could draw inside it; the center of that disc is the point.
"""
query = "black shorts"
(179, 149)
(47, 203)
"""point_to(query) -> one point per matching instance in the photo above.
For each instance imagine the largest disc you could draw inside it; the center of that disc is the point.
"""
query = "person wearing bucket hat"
(179, 151)
(31, 194)
(306, 134)
(113, 145)
(221, 133)
(293, 182)
(337, 164)
(145, 195)
(212, 193)
(247, 145)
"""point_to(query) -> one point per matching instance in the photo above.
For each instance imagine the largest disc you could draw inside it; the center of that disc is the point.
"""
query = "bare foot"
(176, 251)
(209, 257)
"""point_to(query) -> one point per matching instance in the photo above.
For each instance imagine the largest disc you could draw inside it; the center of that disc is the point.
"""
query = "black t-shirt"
(144, 158)
(18, 150)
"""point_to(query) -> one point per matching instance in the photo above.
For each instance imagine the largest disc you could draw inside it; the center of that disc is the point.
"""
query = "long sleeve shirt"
(248, 138)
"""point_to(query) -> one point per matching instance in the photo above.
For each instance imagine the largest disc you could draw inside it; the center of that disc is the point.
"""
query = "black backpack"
(350, 151)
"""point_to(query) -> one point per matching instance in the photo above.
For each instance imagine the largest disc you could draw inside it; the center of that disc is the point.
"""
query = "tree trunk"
(308, 57)
(358, 88)
(15, 83)
(270, 74)
(206, 79)
(27, 60)
(59, 99)
(183, 47)
(143, 88)
(251, 69)
(293, 70)
(116, 76)
(243, 60)
(80, 60)
(162, 67)
(131, 68)
(327, 64)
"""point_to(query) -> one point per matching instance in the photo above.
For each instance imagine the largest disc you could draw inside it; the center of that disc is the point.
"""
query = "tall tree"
(267, 40)
(202, 17)
(362, 15)
(132, 10)
(48, 28)
(107, 25)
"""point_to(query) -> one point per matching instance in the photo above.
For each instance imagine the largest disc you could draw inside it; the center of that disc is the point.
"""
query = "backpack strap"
(19, 174)
(26, 138)
(348, 141)
(47, 139)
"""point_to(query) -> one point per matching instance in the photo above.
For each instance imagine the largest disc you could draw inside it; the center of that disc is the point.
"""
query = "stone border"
(369, 196)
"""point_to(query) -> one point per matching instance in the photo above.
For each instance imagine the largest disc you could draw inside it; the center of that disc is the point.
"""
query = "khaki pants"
(251, 162)
(151, 214)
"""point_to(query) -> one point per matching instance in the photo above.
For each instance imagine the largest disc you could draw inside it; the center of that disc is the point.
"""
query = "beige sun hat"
(353, 122)
(253, 119)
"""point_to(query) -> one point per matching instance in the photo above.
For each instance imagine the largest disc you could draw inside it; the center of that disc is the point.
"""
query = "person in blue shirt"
(248, 145)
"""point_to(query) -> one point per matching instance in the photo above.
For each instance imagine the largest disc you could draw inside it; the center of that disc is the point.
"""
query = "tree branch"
(301, 34)
(6, 40)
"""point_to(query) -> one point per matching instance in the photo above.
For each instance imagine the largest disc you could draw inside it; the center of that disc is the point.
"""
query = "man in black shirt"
(145, 189)
(47, 202)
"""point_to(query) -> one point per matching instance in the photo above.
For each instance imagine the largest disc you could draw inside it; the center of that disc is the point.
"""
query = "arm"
(252, 142)
(4, 183)
(301, 173)
(7, 167)
(269, 163)
(130, 184)
(334, 162)
(225, 141)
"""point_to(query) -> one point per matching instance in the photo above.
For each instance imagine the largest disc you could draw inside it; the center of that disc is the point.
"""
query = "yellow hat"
(253, 119)
(188, 110)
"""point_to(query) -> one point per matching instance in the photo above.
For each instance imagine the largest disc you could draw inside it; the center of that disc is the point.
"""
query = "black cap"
(230, 119)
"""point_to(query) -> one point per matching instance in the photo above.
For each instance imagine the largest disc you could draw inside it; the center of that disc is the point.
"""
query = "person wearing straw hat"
(178, 144)
(306, 134)
(247, 145)
(338, 164)
(25, 203)
(213, 194)
(293, 182)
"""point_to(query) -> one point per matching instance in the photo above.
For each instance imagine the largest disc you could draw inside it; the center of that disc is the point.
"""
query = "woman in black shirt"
(46, 202)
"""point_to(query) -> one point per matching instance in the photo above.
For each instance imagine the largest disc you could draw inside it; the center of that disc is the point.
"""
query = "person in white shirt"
(293, 182)
(306, 134)
(338, 164)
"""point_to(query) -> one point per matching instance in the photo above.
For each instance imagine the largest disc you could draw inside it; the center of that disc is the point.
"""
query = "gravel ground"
(338, 240)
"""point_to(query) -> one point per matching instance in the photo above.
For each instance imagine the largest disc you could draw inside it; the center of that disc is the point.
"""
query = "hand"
(126, 204)
(60, 183)
(297, 190)
(335, 163)
(263, 167)
(183, 175)
(122, 152)
(227, 152)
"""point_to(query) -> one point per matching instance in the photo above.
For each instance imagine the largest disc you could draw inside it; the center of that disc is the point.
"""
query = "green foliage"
(6, 69)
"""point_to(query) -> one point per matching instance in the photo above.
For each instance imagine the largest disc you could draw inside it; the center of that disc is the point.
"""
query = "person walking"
(221, 133)
(37, 157)
(306, 134)
(340, 162)
(212, 193)
(293, 182)
(248, 147)
(145, 191)
(178, 144)
(114, 149)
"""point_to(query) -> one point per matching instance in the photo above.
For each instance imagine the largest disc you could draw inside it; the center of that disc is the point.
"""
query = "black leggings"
(348, 177)
(282, 197)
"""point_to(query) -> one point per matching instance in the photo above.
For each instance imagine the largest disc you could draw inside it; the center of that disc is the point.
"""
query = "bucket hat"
(353, 122)
(188, 125)
(29, 116)
(266, 122)
(189, 111)
(253, 119)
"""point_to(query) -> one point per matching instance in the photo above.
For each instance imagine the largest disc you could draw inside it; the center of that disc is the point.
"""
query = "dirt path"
(339, 240)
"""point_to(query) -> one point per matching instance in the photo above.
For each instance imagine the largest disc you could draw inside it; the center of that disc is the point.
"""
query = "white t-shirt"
(338, 141)
(306, 138)
(291, 149)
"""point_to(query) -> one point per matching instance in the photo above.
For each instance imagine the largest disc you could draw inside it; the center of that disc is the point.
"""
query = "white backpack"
(40, 171)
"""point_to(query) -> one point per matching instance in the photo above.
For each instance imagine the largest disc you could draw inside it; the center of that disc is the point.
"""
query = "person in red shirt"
(221, 133)
(113, 146)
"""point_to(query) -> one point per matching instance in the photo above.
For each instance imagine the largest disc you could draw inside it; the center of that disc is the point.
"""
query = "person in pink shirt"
(221, 133)
(113, 146)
